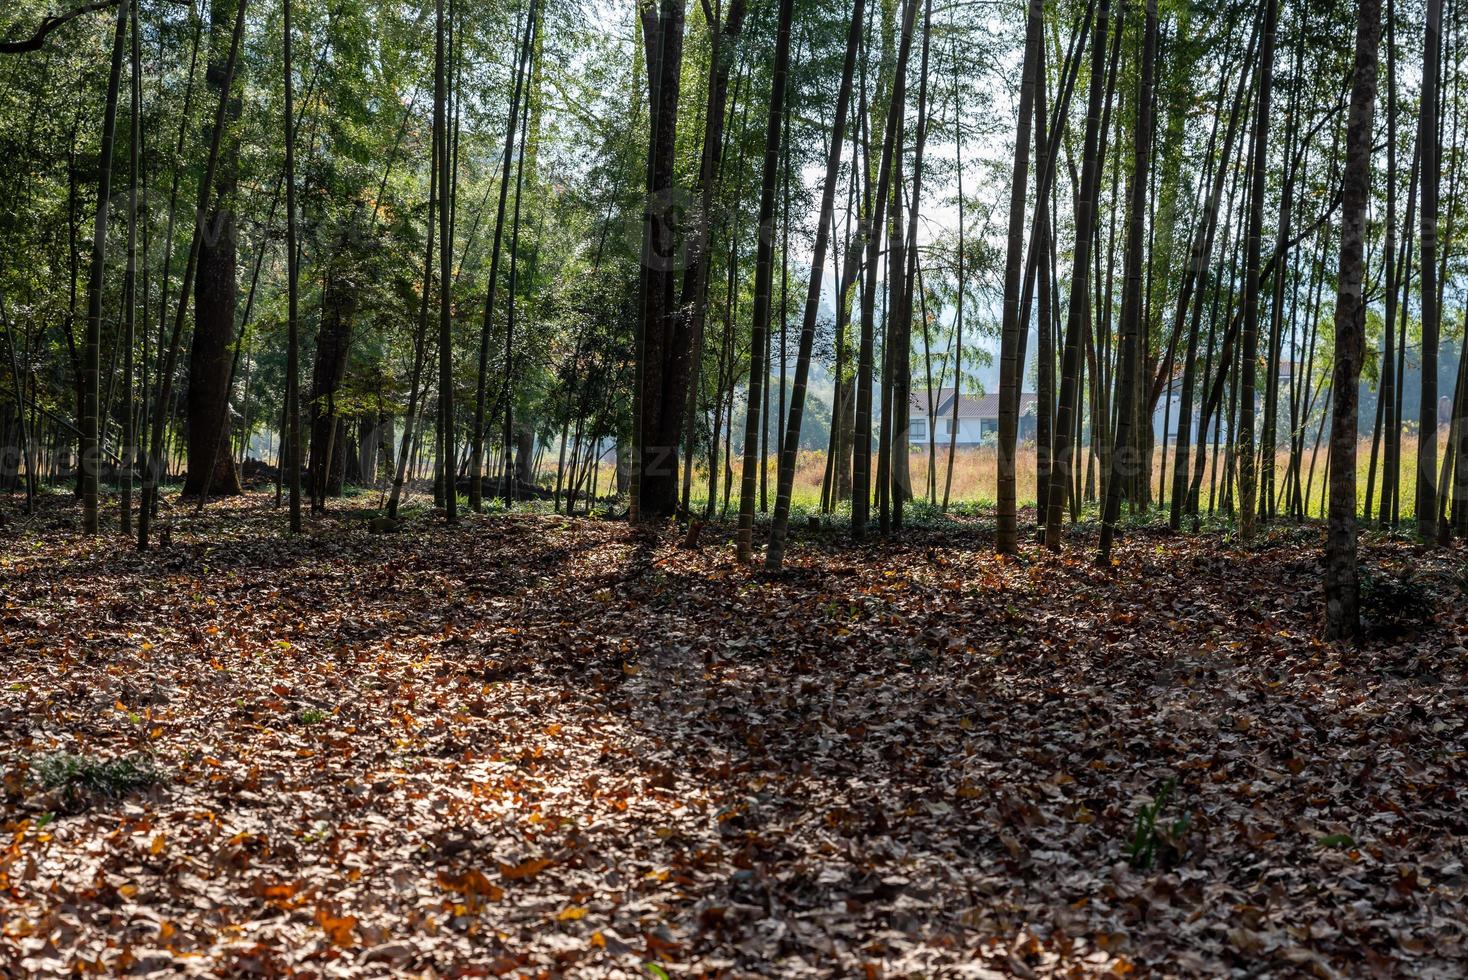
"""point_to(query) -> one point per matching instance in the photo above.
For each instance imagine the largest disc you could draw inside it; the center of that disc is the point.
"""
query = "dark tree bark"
(1125, 457)
(1044, 313)
(129, 286)
(1067, 409)
(445, 252)
(958, 312)
(906, 262)
(507, 470)
(413, 416)
(894, 343)
(185, 118)
(333, 343)
(874, 221)
(91, 442)
(1011, 365)
(763, 280)
(837, 485)
(693, 304)
(1386, 393)
(1249, 345)
(163, 401)
(1404, 288)
(1040, 264)
(791, 445)
(1429, 145)
(210, 472)
(1294, 163)
(1453, 478)
(662, 373)
(1342, 587)
(476, 451)
(292, 463)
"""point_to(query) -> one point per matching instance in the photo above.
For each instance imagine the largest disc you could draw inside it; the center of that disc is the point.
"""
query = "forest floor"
(533, 745)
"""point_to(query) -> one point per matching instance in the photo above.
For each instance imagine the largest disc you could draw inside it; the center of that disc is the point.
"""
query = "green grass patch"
(78, 779)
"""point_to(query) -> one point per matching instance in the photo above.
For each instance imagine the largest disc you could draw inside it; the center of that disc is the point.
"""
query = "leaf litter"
(540, 746)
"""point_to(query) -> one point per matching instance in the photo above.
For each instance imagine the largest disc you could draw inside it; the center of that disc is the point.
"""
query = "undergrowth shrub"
(1394, 603)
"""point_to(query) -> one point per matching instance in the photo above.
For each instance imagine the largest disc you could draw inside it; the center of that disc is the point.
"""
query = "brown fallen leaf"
(526, 869)
(341, 930)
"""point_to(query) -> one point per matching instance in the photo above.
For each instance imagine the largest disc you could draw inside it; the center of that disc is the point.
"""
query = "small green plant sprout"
(311, 716)
(1339, 842)
(1148, 841)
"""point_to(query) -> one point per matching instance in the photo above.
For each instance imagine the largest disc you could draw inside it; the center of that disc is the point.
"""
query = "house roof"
(969, 406)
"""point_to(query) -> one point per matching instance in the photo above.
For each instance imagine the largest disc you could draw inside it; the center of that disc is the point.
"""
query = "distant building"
(978, 417)
(1168, 414)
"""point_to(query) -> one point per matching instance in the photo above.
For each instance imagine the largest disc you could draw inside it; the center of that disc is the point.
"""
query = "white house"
(978, 417)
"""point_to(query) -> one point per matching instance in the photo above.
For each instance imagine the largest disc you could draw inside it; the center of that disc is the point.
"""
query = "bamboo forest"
(735, 488)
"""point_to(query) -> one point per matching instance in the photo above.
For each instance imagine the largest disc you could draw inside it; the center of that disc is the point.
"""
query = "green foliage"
(1151, 842)
(77, 779)
(1394, 602)
(919, 511)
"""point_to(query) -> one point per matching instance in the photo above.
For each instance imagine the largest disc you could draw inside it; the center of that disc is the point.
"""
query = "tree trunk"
(1125, 457)
(1011, 365)
(763, 279)
(662, 342)
(476, 450)
(958, 299)
(128, 451)
(908, 265)
(1342, 587)
(445, 265)
(1429, 145)
(873, 225)
(507, 396)
(693, 303)
(91, 442)
(210, 472)
(1067, 410)
(333, 341)
(791, 445)
(157, 465)
(1386, 391)
(1190, 290)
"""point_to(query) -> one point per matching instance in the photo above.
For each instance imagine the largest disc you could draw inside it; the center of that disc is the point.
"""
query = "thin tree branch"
(34, 42)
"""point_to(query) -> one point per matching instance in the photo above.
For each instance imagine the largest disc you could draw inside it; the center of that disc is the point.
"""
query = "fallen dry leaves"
(540, 746)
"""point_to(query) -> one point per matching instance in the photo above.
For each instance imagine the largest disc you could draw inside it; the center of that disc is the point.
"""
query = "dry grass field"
(975, 476)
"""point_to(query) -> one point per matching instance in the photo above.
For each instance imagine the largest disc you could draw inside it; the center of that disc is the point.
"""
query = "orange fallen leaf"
(339, 929)
(473, 885)
(526, 870)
